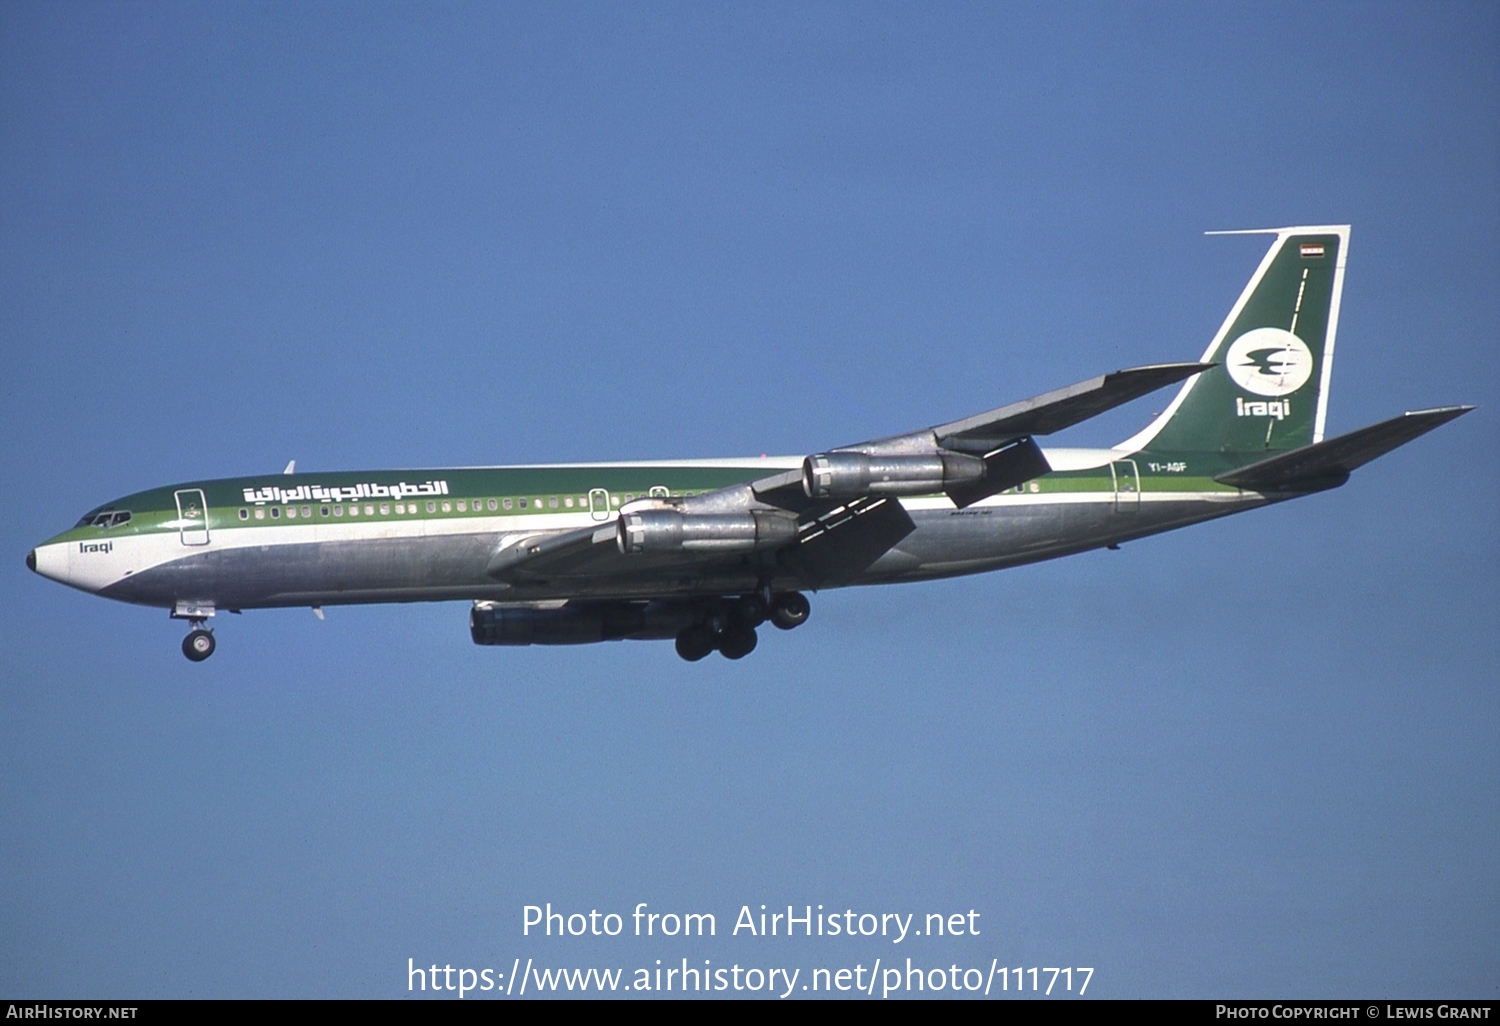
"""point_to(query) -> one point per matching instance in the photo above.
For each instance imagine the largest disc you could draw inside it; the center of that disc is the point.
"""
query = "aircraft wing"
(1042, 415)
(1329, 463)
(1001, 437)
(836, 539)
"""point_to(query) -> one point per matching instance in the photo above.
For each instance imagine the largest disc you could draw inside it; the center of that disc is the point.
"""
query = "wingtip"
(1446, 412)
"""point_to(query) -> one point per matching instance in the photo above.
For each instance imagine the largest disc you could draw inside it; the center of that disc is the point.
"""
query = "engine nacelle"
(667, 530)
(852, 475)
(578, 623)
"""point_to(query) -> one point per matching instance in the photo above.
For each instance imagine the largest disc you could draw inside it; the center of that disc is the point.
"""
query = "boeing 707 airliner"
(706, 551)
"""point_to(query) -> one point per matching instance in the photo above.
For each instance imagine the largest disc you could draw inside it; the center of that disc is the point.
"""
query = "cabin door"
(192, 516)
(1127, 486)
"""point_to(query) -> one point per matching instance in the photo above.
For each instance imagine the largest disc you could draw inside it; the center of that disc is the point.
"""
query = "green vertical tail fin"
(1269, 392)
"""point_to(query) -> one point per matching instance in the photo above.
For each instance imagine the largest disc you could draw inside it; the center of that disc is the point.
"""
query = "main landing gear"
(790, 610)
(199, 644)
(731, 630)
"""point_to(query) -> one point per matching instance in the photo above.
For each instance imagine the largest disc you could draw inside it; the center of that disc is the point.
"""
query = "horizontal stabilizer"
(985, 432)
(1328, 464)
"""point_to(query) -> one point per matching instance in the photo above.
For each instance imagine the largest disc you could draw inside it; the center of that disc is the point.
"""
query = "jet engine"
(667, 530)
(853, 475)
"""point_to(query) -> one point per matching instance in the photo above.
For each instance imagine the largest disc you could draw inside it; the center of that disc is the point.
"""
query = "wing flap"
(840, 544)
(1015, 464)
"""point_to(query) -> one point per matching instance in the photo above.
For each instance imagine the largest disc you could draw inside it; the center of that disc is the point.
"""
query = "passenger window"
(507, 504)
(385, 509)
(291, 512)
(338, 511)
(432, 507)
(462, 507)
(568, 502)
(244, 514)
(400, 507)
(353, 510)
(447, 507)
(325, 511)
(275, 512)
(552, 502)
(307, 511)
(369, 510)
(491, 504)
(260, 513)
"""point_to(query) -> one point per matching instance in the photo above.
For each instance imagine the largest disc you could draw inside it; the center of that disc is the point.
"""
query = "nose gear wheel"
(198, 645)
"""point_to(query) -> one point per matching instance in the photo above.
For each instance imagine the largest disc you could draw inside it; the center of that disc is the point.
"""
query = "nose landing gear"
(199, 644)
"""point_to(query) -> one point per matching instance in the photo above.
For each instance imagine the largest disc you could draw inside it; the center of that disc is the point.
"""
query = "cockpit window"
(108, 517)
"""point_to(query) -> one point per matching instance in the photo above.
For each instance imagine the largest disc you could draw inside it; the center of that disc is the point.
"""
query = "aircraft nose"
(50, 560)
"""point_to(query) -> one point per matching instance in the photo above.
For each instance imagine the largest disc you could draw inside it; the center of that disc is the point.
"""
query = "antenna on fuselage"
(291, 467)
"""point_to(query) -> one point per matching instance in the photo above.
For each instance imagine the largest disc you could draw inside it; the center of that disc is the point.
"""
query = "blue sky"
(1254, 757)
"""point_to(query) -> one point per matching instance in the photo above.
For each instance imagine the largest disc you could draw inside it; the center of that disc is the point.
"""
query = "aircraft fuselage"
(404, 536)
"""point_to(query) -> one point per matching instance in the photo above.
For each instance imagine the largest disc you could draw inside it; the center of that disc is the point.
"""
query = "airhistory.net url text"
(995, 980)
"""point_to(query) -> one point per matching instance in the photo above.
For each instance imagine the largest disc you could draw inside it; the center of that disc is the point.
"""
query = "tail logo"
(1269, 362)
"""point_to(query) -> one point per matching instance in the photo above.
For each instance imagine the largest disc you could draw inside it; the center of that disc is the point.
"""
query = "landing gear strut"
(199, 644)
